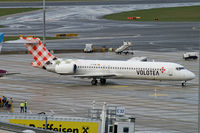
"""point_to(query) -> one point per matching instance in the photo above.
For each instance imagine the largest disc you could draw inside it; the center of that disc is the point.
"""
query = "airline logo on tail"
(40, 54)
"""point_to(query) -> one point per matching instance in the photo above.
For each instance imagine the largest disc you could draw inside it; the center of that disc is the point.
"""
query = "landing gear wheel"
(94, 82)
(103, 81)
(183, 84)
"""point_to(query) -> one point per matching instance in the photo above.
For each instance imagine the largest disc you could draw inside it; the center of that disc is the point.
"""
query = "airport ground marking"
(119, 86)
(157, 94)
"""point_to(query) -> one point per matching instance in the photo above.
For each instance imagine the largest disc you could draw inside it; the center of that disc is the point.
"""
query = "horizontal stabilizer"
(17, 41)
(30, 40)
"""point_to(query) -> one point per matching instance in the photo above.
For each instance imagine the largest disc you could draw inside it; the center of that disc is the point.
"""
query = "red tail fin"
(40, 54)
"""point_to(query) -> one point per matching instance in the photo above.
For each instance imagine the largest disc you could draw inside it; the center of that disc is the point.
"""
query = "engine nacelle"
(66, 68)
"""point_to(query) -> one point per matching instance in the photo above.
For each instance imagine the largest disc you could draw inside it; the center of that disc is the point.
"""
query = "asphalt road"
(86, 20)
(169, 109)
(159, 107)
(106, 2)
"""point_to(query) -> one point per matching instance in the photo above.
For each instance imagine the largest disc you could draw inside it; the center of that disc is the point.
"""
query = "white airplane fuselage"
(104, 69)
(121, 69)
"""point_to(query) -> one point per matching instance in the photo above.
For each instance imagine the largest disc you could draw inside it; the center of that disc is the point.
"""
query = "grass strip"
(179, 14)
(9, 11)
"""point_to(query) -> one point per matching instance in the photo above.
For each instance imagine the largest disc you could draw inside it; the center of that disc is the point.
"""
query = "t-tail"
(1, 37)
(39, 52)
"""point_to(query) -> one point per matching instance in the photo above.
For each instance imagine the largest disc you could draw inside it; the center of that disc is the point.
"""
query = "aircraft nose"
(190, 75)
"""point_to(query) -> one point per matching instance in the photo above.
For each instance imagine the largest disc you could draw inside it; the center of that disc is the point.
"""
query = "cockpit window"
(180, 68)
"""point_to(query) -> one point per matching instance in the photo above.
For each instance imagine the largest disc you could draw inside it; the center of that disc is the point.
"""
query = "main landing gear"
(94, 82)
(183, 83)
(102, 81)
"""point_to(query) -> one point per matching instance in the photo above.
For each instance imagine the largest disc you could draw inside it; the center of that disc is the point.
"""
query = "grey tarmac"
(158, 106)
(86, 20)
(171, 108)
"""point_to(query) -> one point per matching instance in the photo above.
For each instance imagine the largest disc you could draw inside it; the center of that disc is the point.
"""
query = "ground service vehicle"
(88, 48)
(190, 55)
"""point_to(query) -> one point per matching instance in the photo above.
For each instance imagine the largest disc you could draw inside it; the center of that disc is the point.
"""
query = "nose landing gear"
(183, 83)
(102, 81)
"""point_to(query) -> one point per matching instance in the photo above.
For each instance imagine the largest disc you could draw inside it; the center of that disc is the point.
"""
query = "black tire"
(103, 81)
(183, 84)
(94, 82)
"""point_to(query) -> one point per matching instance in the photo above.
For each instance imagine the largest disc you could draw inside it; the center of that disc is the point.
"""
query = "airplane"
(105, 69)
(5, 73)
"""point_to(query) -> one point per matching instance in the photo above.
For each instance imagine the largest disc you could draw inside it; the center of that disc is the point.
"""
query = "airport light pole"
(44, 24)
(199, 96)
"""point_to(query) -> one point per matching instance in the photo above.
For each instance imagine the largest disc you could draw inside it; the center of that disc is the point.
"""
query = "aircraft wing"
(138, 59)
(11, 73)
(89, 76)
(5, 73)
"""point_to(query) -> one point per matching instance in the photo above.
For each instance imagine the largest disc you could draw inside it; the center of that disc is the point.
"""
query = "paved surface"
(103, 2)
(4, 131)
(86, 20)
(172, 109)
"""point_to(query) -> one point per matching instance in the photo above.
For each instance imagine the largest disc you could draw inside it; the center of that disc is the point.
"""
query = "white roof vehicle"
(190, 55)
(88, 48)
